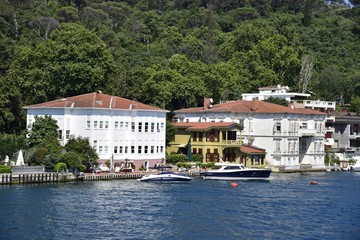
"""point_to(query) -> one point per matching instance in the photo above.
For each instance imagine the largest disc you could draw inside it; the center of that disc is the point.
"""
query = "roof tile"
(94, 100)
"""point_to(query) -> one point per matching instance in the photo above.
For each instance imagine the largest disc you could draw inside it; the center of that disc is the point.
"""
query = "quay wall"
(7, 179)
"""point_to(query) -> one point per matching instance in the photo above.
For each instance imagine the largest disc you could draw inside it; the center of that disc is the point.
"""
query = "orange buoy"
(314, 182)
(233, 184)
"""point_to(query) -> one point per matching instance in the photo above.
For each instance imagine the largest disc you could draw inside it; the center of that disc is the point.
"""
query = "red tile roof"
(251, 149)
(204, 125)
(255, 106)
(95, 100)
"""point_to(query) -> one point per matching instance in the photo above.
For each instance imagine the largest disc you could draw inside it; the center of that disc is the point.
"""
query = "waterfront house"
(120, 130)
(344, 136)
(291, 138)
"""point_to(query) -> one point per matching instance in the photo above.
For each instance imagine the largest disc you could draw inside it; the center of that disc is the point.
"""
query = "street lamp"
(126, 165)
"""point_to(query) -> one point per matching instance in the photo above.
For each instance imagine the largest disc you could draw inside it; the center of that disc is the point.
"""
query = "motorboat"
(164, 176)
(232, 171)
(356, 166)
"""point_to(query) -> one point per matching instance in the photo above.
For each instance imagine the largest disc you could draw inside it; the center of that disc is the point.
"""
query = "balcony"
(307, 132)
(230, 143)
(317, 104)
(330, 118)
(330, 129)
(354, 135)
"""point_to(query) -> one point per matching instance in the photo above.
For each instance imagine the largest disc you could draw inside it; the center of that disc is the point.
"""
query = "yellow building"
(214, 142)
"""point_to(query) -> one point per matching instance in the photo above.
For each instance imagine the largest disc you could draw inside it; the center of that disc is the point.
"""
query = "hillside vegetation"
(171, 54)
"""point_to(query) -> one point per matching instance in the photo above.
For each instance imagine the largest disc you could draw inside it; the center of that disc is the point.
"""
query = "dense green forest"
(172, 54)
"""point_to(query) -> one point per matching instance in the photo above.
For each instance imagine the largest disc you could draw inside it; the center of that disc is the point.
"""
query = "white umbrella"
(20, 159)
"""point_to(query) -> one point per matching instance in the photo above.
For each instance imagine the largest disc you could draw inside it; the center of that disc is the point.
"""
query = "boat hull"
(165, 178)
(248, 174)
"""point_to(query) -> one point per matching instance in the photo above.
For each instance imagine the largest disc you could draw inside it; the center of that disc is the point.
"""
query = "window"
(161, 149)
(126, 125)
(116, 124)
(126, 149)
(101, 124)
(157, 149)
(106, 124)
(146, 149)
(277, 127)
(303, 145)
(88, 124)
(67, 134)
(194, 136)
(152, 148)
(115, 149)
(139, 149)
(303, 125)
(132, 149)
(106, 148)
(121, 124)
(277, 145)
(162, 126)
(157, 127)
(60, 134)
(95, 144)
(133, 126)
(121, 149)
(152, 127)
(140, 127)
(95, 124)
(146, 127)
(100, 149)
(200, 136)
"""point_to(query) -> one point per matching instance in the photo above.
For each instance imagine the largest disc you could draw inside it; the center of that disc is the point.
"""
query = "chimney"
(206, 103)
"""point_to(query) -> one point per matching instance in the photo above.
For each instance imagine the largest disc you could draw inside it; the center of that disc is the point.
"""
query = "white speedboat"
(165, 176)
(356, 166)
(231, 171)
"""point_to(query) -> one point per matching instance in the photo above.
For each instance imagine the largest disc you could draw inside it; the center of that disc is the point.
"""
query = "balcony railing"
(231, 142)
(307, 132)
(330, 129)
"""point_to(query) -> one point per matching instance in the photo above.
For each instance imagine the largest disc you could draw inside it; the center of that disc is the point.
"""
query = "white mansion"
(119, 129)
(293, 138)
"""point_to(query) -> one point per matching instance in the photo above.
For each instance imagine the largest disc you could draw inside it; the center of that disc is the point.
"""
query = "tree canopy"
(171, 54)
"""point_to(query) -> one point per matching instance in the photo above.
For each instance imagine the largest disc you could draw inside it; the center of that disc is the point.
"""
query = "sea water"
(286, 206)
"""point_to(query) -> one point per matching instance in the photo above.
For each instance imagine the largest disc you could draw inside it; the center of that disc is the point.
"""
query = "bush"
(5, 169)
(175, 158)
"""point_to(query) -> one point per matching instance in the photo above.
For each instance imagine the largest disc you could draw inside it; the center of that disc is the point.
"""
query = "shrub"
(5, 169)
(175, 158)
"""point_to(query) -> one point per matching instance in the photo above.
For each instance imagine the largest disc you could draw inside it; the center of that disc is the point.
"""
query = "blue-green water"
(286, 207)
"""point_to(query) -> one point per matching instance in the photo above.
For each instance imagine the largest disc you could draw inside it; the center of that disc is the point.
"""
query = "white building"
(293, 138)
(119, 129)
(299, 100)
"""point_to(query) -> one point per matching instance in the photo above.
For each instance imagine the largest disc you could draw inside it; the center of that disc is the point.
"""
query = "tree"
(170, 132)
(305, 72)
(72, 61)
(60, 167)
(11, 143)
(355, 104)
(43, 129)
(277, 100)
(44, 26)
(72, 160)
(82, 147)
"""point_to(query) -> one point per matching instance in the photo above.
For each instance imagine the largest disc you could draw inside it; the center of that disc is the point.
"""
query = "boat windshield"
(232, 167)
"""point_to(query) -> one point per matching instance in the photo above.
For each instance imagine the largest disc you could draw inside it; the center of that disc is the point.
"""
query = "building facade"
(292, 138)
(120, 130)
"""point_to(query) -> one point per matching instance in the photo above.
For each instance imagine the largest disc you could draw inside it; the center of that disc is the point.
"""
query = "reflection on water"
(286, 207)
